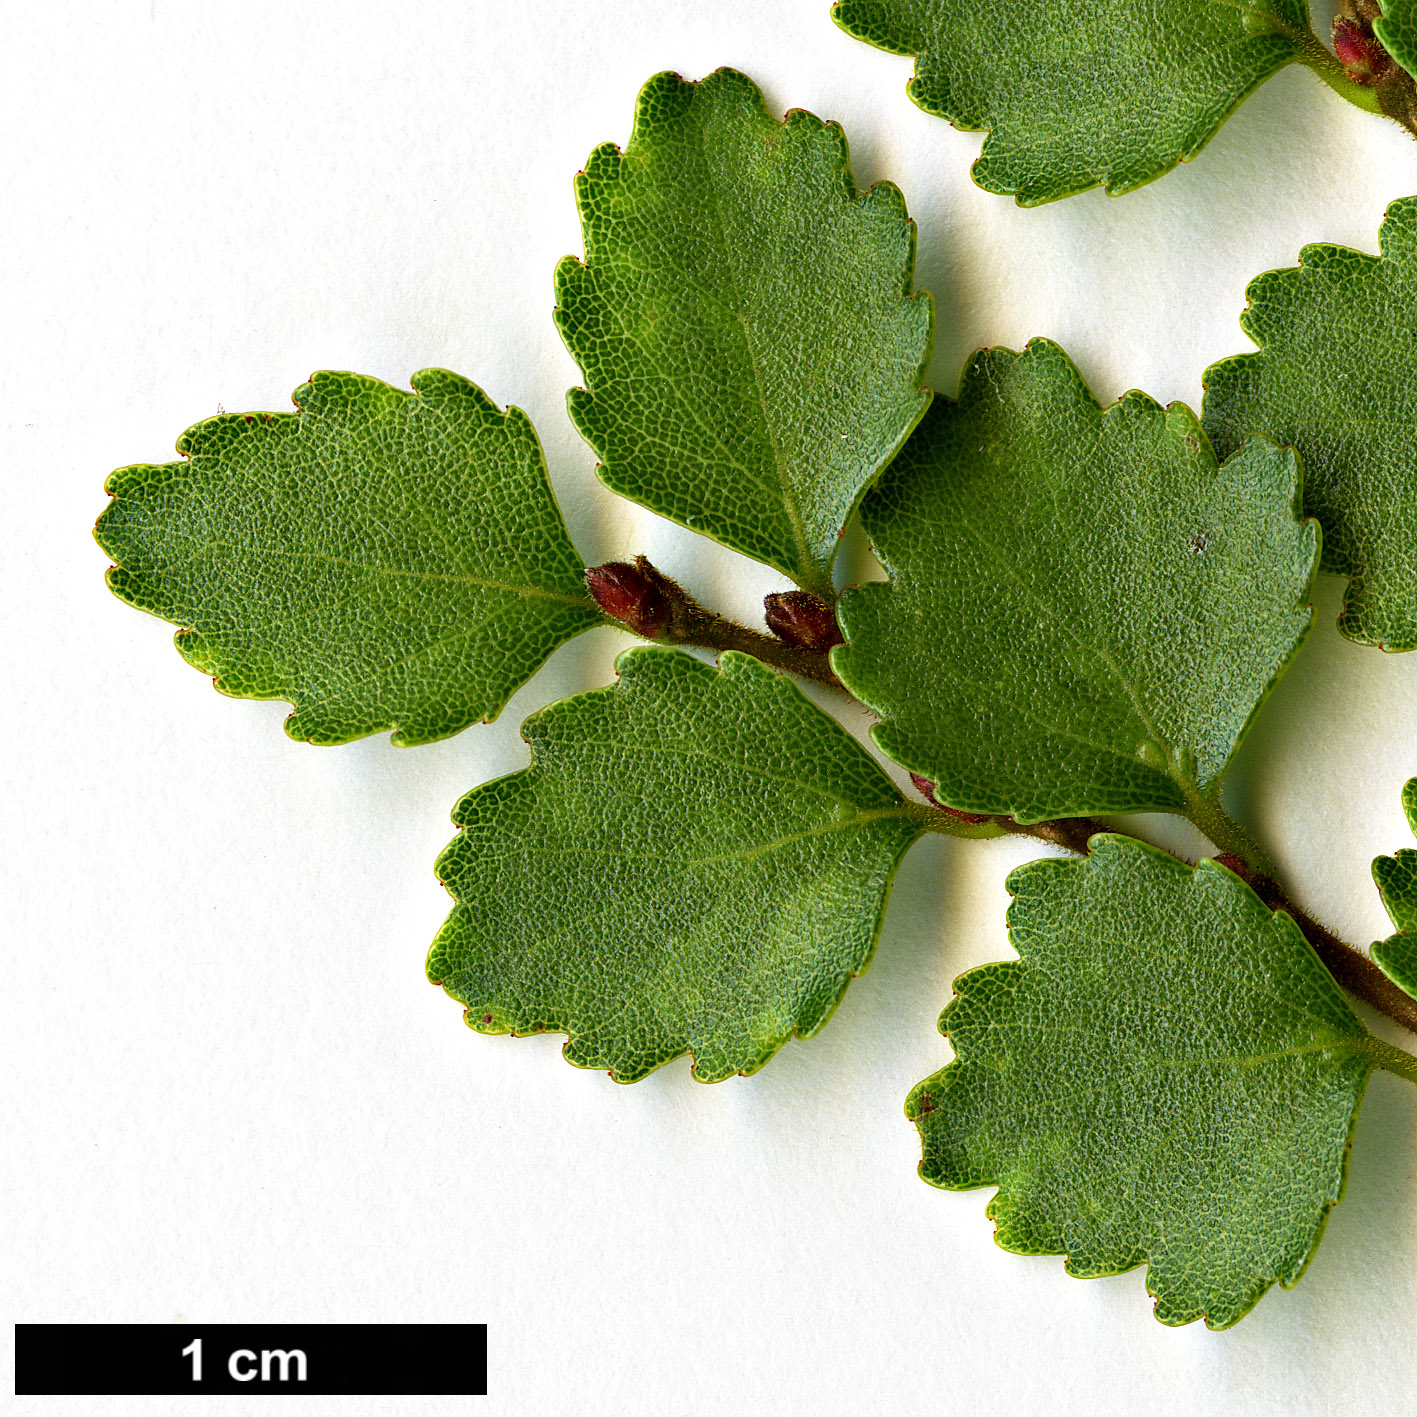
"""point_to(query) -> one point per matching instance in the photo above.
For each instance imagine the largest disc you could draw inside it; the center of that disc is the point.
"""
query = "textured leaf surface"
(1167, 1074)
(1084, 610)
(696, 861)
(1397, 29)
(1336, 378)
(1396, 876)
(752, 350)
(1397, 958)
(1074, 93)
(379, 559)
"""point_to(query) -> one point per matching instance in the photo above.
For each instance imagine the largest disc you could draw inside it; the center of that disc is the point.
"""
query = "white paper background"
(229, 1093)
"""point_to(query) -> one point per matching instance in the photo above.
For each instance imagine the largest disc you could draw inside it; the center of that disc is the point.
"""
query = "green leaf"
(1333, 378)
(1084, 611)
(696, 861)
(1396, 876)
(1076, 93)
(1397, 958)
(752, 351)
(1167, 1074)
(1396, 27)
(379, 559)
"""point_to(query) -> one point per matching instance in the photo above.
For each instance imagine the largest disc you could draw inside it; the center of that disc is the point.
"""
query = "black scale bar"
(173, 1360)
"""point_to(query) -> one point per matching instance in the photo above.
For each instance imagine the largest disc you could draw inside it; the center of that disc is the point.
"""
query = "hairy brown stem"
(1353, 969)
(645, 600)
(1071, 833)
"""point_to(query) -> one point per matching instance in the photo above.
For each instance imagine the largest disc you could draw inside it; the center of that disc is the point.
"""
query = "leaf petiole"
(1393, 1060)
(1208, 815)
(945, 823)
(1314, 54)
(1336, 77)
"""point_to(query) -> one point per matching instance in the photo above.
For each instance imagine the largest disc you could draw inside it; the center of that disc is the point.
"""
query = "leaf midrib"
(291, 553)
(809, 575)
(619, 745)
(672, 871)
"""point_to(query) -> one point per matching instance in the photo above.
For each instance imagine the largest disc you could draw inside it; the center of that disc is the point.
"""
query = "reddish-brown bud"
(797, 617)
(926, 789)
(1359, 50)
(1235, 864)
(626, 594)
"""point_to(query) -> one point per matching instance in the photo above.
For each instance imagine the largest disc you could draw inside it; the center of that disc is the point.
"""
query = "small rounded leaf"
(1074, 93)
(380, 559)
(1333, 378)
(753, 348)
(1167, 1075)
(1085, 609)
(697, 861)
(1396, 877)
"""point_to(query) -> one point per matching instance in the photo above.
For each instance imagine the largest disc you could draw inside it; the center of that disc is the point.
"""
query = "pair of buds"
(643, 600)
